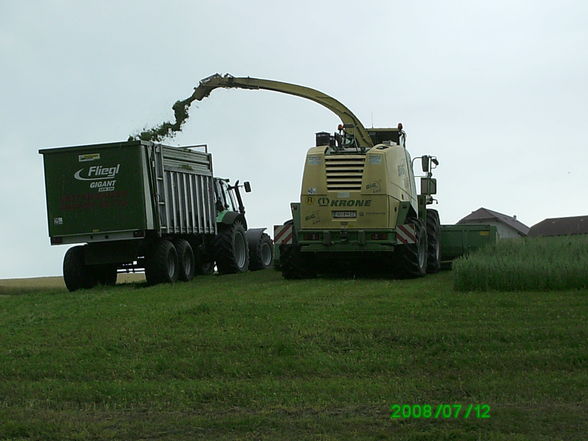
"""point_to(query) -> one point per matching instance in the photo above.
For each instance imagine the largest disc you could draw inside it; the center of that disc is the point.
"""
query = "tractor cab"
(228, 198)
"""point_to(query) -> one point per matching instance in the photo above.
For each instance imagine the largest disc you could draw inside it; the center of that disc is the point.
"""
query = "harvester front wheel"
(230, 249)
(433, 248)
(186, 262)
(294, 264)
(76, 274)
(261, 254)
(161, 263)
(412, 257)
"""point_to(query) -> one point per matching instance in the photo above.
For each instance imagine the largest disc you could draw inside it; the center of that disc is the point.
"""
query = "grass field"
(255, 357)
(533, 264)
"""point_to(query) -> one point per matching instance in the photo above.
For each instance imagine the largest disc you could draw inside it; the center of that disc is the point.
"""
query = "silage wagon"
(139, 205)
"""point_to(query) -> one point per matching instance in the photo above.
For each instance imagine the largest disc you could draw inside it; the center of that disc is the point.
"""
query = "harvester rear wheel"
(186, 263)
(262, 254)
(433, 248)
(161, 263)
(412, 258)
(294, 264)
(230, 249)
(76, 274)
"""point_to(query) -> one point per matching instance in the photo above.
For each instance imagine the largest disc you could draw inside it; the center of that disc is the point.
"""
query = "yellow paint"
(372, 185)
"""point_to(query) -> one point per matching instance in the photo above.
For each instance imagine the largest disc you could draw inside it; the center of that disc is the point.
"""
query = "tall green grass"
(532, 264)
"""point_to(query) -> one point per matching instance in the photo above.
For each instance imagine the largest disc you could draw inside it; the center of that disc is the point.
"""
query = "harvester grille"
(344, 173)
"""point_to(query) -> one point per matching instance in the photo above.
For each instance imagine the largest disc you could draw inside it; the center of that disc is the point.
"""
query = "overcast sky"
(497, 90)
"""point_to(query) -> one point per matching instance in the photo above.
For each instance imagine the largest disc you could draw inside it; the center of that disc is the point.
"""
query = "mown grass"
(531, 264)
(255, 357)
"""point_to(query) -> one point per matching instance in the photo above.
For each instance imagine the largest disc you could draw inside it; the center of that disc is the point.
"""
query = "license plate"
(344, 214)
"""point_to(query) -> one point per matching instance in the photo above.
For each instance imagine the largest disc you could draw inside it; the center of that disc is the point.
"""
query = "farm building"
(560, 226)
(506, 226)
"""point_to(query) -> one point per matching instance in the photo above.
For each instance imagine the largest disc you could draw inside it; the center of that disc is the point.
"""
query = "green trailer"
(457, 240)
(143, 206)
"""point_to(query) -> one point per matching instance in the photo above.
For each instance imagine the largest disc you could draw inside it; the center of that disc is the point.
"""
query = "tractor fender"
(254, 236)
(229, 218)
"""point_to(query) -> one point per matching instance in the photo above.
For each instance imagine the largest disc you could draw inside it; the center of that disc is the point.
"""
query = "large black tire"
(105, 274)
(294, 264)
(231, 252)
(76, 274)
(433, 245)
(261, 255)
(203, 260)
(411, 259)
(206, 268)
(161, 263)
(186, 261)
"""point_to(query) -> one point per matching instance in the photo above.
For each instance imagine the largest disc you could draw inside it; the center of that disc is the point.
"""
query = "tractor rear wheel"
(186, 263)
(203, 260)
(412, 257)
(105, 274)
(433, 248)
(261, 255)
(294, 264)
(230, 249)
(76, 274)
(161, 263)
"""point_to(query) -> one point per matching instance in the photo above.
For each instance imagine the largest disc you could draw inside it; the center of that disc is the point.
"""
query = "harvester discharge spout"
(352, 124)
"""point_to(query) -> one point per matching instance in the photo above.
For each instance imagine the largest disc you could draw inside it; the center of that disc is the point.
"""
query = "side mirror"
(247, 186)
(426, 163)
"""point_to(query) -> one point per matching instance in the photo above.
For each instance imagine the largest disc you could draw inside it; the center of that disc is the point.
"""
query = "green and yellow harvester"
(359, 202)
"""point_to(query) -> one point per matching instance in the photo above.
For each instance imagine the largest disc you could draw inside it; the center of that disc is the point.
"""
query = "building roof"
(560, 226)
(482, 215)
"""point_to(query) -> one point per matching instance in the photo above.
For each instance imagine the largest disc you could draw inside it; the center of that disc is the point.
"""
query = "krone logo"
(97, 172)
(323, 202)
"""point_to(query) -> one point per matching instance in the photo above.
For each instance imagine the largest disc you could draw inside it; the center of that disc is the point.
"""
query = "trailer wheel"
(261, 255)
(412, 258)
(76, 274)
(105, 274)
(186, 262)
(433, 248)
(294, 264)
(231, 250)
(161, 263)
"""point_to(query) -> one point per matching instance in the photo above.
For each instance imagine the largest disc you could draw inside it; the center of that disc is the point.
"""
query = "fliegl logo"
(101, 177)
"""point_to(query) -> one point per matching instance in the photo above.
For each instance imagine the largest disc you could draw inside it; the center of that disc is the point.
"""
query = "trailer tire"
(261, 255)
(186, 261)
(105, 274)
(230, 249)
(161, 263)
(294, 264)
(412, 258)
(433, 245)
(76, 274)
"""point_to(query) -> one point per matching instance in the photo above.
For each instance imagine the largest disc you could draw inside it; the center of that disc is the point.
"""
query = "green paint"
(92, 194)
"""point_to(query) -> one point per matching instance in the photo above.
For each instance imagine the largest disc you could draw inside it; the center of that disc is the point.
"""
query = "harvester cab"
(358, 199)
